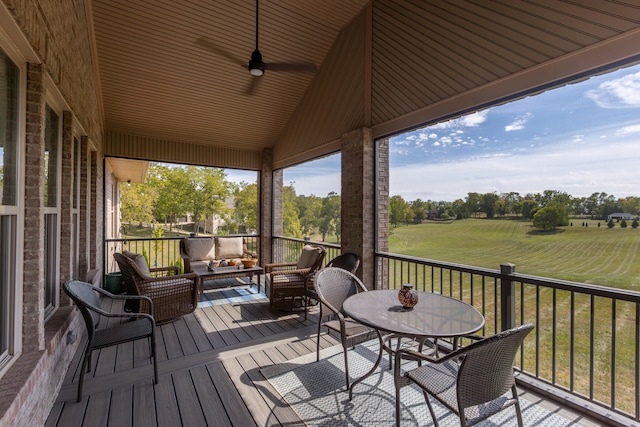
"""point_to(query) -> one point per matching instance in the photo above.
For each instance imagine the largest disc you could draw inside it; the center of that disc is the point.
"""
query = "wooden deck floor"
(209, 372)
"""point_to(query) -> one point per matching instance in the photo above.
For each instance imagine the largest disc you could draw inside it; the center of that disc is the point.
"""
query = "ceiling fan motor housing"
(256, 66)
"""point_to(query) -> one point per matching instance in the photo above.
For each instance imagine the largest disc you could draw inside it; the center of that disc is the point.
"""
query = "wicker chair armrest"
(171, 270)
(302, 272)
(189, 276)
(279, 266)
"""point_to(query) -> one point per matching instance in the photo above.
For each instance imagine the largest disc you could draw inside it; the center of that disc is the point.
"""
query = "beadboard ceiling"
(175, 70)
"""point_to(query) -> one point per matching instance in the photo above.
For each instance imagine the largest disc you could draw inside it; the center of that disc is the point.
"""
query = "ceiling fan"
(256, 65)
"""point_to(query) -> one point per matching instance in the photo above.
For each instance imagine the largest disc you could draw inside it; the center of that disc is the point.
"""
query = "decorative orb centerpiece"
(408, 296)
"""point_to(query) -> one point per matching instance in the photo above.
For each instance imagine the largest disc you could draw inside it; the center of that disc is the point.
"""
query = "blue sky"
(581, 138)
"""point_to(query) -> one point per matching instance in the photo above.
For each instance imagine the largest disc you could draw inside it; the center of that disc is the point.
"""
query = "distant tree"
(244, 215)
(207, 191)
(610, 224)
(397, 210)
(472, 204)
(330, 216)
(549, 217)
(634, 224)
(623, 224)
(290, 213)
(488, 204)
(528, 207)
(137, 201)
(310, 208)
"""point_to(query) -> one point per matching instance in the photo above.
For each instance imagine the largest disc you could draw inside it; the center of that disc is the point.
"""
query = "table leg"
(372, 370)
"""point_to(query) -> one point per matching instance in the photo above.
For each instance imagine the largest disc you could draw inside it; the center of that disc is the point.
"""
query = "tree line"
(175, 192)
(556, 206)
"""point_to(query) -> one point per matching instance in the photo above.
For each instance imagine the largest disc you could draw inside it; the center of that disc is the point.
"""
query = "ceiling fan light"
(256, 66)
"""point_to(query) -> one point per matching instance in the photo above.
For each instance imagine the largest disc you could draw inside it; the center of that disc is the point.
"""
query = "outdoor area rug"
(317, 392)
(229, 295)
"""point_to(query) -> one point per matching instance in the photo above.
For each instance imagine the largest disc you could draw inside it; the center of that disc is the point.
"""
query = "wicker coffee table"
(229, 273)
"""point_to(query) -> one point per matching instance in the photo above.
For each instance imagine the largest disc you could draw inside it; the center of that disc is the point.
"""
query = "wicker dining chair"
(347, 261)
(333, 286)
(287, 280)
(173, 295)
(139, 326)
(473, 381)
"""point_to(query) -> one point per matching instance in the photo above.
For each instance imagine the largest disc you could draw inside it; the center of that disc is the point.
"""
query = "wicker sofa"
(197, 252)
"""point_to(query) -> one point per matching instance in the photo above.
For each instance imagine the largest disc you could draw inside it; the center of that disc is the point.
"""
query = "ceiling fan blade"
(214, 48)
(293, 67)
(253, 85)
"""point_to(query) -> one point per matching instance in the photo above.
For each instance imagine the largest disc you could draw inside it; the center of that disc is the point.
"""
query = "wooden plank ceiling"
(159, 82)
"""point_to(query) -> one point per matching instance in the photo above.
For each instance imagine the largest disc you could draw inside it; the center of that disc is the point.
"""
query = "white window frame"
(13, 47)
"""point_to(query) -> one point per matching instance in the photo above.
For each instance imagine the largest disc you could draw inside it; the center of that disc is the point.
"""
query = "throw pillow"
(229, 247)
(140, 265)
(200, 249)
(309, 257)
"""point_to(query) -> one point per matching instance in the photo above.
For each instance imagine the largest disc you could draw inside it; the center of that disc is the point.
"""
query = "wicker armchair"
(347, 261)
(472, 381)
(139, 326)
(173, 295)
(333, 286)
(287, 280)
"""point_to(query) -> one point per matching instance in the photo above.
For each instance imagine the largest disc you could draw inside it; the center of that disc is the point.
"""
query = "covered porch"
(96, 85)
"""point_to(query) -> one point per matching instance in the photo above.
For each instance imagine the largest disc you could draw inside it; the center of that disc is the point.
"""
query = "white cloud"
(623, 92)
(579, 172)
(470, 120)
(518, 123)
(628, 130)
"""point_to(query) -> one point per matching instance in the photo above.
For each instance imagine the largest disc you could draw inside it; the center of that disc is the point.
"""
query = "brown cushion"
(309, 256)
(229, 247)
(141, 266)
(200, 248)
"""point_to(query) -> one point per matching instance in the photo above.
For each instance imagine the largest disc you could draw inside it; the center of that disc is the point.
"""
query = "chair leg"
(86, 357)
(433, 414)
(155, 359)
(514, 390)
(346, 364)
(318, 336)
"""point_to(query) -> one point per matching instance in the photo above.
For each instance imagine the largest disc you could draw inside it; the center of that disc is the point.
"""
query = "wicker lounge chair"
(173, 295)
(473, 381)
(347, 261)
(287, 280)
(333, 286)
(141, 325)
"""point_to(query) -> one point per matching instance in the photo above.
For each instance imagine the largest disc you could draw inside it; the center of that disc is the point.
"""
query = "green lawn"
(592, 254)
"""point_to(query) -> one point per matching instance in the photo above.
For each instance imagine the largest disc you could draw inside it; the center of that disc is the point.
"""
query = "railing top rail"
(144, 239)
(596, 290)
(295, 239)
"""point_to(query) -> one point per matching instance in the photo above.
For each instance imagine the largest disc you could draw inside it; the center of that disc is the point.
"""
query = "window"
(51, 233)
(9, 167)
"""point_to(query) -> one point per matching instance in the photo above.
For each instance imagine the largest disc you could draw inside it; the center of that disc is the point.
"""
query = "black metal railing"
(586, 341)
(159, 252)
(288, 249)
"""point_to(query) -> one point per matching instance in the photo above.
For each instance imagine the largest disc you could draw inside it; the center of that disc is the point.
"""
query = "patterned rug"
(317, 392)
(229, 295)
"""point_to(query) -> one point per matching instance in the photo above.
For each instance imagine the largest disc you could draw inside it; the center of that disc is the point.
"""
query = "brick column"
(66, 205)
(358, 200)
(84, 211)
(33, 277)
(266, 208)
(383, 210)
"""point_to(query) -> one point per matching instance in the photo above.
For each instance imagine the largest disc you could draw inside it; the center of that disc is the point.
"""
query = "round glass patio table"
(434, 316)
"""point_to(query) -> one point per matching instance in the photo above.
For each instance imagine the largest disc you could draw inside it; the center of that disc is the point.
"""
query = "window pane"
(9, 77)
(7, 279)
(50, 158)
(50, 257)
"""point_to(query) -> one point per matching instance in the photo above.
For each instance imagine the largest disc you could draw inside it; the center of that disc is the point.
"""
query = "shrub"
(623, 224)
(634, 224)
(610, 224)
